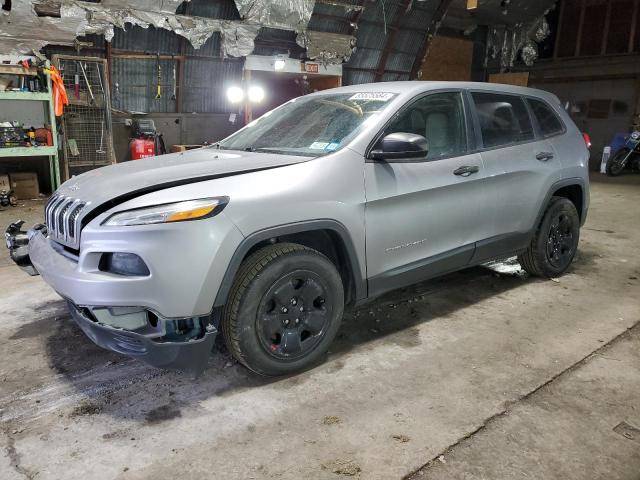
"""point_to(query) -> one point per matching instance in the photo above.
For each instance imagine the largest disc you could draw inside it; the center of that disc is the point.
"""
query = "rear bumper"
(187, 355)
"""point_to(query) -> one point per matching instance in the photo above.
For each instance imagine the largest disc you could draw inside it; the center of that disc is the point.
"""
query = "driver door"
(424, 216)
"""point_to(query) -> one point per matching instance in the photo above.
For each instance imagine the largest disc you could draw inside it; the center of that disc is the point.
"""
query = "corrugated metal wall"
(206, 83)
(410, 34)
(206, 74)
(136, 80)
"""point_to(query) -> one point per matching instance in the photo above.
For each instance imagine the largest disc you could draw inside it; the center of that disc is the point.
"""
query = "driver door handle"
(544, 156)
(466, 170)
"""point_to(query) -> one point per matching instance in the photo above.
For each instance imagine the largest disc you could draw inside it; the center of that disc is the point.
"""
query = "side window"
(504, 119)
(547, 119)
(439, 118)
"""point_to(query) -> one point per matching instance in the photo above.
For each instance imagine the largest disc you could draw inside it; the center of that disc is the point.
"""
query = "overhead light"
(256, 94)
(279, 63)
(235, 94)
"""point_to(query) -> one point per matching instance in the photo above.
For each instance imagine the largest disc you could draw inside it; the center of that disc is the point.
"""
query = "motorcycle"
(628, 156)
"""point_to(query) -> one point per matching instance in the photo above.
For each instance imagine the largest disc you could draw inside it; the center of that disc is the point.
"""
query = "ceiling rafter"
(336, 18)
(434, 25)
(391, 38)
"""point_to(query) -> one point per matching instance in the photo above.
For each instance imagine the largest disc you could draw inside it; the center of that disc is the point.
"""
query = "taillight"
(587, 139)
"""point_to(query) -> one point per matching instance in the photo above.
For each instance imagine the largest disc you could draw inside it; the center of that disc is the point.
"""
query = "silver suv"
(328, 200)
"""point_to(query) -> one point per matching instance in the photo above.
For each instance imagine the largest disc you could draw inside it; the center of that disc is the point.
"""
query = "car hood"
(124, 181)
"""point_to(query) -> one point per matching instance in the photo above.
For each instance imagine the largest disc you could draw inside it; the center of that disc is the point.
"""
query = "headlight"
(169, 212)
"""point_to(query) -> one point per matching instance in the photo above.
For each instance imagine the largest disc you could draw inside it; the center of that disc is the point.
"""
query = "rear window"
(504, 119)
(547, 119)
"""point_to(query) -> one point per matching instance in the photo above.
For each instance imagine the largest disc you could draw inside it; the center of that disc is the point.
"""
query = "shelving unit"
(47, 98)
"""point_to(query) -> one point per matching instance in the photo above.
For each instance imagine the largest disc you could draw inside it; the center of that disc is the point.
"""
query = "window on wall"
(620, 23)
(440, 119)
(599, 108)
(619, 108)
(504, 119)
(547, 119)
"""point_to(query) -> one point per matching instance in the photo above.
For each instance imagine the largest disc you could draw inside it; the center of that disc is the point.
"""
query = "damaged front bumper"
(189, 353)
(182, 343)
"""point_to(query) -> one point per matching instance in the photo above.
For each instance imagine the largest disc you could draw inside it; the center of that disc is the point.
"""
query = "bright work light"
(235, 94)
(256, 94)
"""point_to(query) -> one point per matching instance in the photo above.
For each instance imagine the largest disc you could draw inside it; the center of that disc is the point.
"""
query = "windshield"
(309, 126)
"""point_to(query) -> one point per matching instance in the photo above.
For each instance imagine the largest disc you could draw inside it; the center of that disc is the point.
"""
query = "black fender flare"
(565, 182)
(360, 284)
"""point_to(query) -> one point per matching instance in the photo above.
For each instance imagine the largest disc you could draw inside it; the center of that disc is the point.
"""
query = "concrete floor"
(478, 375)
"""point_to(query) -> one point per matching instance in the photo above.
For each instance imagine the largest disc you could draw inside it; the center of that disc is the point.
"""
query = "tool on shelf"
(100, 149)
(158, 88)
(76, 84)
(84, 74)
(173, 96)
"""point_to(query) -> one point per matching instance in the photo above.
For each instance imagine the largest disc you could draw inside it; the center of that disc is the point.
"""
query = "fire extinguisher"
(146, 141)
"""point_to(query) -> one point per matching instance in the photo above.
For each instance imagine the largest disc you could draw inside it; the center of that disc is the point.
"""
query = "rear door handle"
(544, 156)
(466, 170)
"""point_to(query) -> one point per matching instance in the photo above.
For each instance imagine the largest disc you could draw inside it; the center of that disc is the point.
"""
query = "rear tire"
(284, 309)
(555, 243)
(615, 165)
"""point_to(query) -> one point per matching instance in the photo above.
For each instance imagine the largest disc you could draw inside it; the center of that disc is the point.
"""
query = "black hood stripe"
(100, 209)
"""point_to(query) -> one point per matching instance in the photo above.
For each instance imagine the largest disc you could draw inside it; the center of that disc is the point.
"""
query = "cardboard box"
(182, 148)
(25, 185)
(4, 183)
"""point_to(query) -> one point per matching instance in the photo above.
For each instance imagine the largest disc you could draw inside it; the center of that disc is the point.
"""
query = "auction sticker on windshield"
(377, 96)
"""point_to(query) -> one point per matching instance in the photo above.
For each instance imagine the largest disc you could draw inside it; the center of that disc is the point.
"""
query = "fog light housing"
(121, 263)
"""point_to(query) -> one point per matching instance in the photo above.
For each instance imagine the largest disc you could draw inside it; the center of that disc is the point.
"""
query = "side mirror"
(401, 147)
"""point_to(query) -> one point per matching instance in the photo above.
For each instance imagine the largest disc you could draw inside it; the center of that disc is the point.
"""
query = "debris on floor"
(343, 467)
(331, 420)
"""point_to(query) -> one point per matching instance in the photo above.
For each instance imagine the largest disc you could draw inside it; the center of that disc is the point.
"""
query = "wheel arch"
(573, 192)
(573, 189)
(329, 237)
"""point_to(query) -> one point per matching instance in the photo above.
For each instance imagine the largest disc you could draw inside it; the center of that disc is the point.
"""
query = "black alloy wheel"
(560, 242)
(284, 309)
(555, 242)
(294, 315)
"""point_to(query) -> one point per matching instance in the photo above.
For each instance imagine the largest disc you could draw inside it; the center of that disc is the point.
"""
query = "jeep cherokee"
(326, 201)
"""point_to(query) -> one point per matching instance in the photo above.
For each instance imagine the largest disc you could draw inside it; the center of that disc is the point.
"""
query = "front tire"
(555, 243)
(616, 164)
(284, 309)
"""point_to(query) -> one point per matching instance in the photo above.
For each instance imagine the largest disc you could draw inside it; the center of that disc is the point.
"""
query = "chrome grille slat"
(73, 217)
(63, 217)
(54, 207)
(60, 216)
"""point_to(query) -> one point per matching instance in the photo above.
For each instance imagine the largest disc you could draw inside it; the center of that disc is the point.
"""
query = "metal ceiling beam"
(438, 15)
(338, 19)
(391, 38)
(337, 3)
(372, 70)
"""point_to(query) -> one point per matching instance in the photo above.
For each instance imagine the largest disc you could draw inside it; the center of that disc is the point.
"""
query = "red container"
(142, 148)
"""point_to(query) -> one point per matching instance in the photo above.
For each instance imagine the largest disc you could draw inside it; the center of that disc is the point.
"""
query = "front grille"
(62, 216)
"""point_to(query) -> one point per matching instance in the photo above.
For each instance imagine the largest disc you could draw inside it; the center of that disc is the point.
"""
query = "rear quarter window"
(504, 119)
(547, 119)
